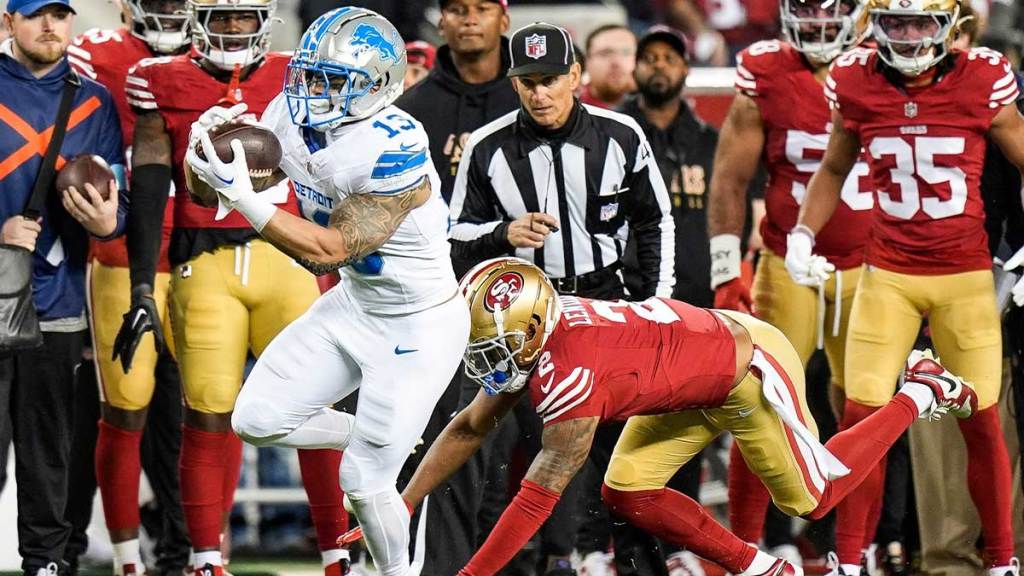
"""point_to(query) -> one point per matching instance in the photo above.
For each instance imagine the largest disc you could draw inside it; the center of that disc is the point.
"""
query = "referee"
(561, 184)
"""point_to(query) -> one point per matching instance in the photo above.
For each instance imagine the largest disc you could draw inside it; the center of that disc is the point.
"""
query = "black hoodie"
(451, 109)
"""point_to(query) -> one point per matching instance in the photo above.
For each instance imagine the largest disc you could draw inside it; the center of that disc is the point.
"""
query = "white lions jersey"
(384, 154)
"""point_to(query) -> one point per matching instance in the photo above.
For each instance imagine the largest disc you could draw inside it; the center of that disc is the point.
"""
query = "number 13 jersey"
(926, 148)
(383, 155)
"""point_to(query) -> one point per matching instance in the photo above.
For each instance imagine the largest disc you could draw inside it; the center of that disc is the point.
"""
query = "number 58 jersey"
(926, 149)
(383, 155)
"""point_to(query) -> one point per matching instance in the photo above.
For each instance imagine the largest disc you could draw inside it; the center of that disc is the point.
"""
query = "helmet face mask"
(350, 64)
(913, 35)
(821, 29)
(513, 310)
(229, 50)
(162, 24)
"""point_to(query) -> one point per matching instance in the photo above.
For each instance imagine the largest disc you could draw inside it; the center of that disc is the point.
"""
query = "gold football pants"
(225, 303)
(652, 448)
(109, 299)
(886, 318)
(802, 314)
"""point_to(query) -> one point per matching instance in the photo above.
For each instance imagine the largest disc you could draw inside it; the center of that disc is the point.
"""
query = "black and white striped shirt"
(600, 181)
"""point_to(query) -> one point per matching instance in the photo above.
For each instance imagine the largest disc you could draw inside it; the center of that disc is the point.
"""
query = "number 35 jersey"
(381, 156)
(797, 122)
(926, 149)
(620, 359)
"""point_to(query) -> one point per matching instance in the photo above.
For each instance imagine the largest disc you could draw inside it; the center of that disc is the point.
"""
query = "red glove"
(734, 295)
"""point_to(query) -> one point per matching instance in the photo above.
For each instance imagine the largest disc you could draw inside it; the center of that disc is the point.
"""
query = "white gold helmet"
(822, 29)
(895, 23)
(226, 51)
(349, 65)
(162, 24)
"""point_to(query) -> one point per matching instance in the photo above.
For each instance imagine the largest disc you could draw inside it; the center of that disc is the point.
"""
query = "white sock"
(127, 552)
(920, 394)
(385, 521)
(327, 428)
(328, 557)
(207, 557)
(761, 563)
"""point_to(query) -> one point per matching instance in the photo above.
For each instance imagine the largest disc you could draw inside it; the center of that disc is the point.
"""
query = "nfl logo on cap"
(536, 46)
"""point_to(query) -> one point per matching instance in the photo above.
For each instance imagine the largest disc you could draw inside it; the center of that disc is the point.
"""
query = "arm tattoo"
(367, 221)
(565, 449)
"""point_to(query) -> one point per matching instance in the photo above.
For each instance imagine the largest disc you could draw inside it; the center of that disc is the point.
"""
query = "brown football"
(86, 169)
(262, 153)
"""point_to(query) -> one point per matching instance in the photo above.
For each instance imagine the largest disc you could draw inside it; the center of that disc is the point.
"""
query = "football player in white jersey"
(394, 327)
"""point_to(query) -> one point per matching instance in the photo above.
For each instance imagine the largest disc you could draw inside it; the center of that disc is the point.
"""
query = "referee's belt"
(572, 285)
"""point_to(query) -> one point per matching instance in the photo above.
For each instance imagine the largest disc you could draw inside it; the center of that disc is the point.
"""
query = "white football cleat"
(1012, 570)
(598, 564)
(952, 393)
(684, 563)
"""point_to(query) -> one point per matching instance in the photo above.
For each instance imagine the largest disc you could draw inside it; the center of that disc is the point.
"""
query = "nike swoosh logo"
(406, 148)
(399, 351)
(547, 387)
(224, 180)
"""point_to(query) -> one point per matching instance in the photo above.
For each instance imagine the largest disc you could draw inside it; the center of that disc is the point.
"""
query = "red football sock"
(118, 466)
(320, 469)
(989, 482)
(674, 517)
(864, 486)
(862, 448)
(748, 499)
(232, 470)
(202, 468)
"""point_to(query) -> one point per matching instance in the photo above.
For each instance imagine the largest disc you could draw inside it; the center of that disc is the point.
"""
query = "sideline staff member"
(560, 183)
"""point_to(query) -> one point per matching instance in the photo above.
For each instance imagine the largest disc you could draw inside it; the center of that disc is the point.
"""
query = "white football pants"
(401, 366)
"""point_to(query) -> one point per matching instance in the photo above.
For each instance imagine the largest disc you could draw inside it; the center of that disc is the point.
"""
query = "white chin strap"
(166, 42)
(916, 65)
(228, 59)
(820, 52)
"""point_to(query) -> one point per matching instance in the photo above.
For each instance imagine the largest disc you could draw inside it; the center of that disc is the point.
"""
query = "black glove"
(141, 318)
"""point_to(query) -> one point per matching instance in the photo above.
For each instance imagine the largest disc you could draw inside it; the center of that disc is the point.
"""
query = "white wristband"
(725, 259)
(256, 210)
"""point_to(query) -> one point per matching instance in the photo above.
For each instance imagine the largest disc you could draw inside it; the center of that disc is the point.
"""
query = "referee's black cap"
(541, 49)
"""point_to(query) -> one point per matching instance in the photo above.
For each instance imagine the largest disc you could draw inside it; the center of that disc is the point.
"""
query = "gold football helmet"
(513, 309)
(228, 50)
(913, 35)
(162, 24)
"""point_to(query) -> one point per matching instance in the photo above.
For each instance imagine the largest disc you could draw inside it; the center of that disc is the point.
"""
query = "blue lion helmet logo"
(367, 37)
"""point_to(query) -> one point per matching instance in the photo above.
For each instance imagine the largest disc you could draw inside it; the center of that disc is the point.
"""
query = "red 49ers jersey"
(797, 121)
(105, 56)
(620, 359)
(926, 148)
(180, 90)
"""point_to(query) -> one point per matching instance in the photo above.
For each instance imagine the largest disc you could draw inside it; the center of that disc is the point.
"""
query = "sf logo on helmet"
(367, 37)
(504, 291)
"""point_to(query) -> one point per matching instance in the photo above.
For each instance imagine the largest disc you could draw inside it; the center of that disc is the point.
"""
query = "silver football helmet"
(822, 29)
(349, 65)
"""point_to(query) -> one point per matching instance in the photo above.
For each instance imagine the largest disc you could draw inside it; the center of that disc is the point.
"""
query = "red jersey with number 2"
(797, 122)
(926, 147)
(620, 359)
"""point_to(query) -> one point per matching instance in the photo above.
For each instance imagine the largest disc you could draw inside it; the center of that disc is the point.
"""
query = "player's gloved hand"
(142, 317)
(734, 295)
(805, 267)
(213, 118)
(1016, 262)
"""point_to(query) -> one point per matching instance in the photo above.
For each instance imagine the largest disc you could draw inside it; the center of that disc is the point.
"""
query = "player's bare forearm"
(151, 143)
(826, 186)
(459, 440)
(359, 225)
(565, 447)
(1007, 131)
(736, 160)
